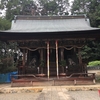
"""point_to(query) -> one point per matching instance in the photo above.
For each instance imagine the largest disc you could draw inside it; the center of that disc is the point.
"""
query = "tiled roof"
(50, 24)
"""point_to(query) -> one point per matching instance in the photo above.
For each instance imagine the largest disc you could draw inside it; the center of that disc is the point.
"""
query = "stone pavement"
(85, 95)
(53, 93)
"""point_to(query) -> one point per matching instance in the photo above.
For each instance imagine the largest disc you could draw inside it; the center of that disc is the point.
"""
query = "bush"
(7, 65)
(94, 63)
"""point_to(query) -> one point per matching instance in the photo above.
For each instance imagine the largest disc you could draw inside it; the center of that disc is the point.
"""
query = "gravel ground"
(53, 94)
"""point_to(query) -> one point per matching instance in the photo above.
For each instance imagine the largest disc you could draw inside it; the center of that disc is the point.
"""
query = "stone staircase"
(53, 70)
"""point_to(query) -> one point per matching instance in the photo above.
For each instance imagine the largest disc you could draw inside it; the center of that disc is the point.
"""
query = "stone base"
(40, 89)
(83, 88)
(21, 90)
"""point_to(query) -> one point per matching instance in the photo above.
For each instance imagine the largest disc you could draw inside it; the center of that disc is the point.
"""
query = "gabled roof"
(50, 24)
(50, 27)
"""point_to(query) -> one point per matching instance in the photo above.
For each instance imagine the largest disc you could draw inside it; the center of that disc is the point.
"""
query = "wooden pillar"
(41, 54)
(24, 56)
(41, 59)
(83, 68)
(79, 56)
(57, 57)
(48, 73)
(62, 54)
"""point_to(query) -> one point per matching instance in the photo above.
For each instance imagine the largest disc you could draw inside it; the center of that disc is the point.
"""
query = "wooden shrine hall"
(51, 47)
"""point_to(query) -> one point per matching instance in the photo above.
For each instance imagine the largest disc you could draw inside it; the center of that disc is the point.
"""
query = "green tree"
(4, 24)
(31, 7)
(13, 7)
(91, 51)
(89, 7)
(7, 51)
(80, 6)
(94, 13)
(50, 8)
(54, 7)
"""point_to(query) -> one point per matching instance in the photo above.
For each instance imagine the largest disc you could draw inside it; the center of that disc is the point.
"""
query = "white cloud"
(70, 1)
(2, 13)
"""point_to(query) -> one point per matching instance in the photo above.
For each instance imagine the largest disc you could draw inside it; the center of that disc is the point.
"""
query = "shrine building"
(48, 41)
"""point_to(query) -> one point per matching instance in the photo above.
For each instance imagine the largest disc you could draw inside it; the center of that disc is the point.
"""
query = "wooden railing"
(79, 77)
(82, 75)
(74, 78)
